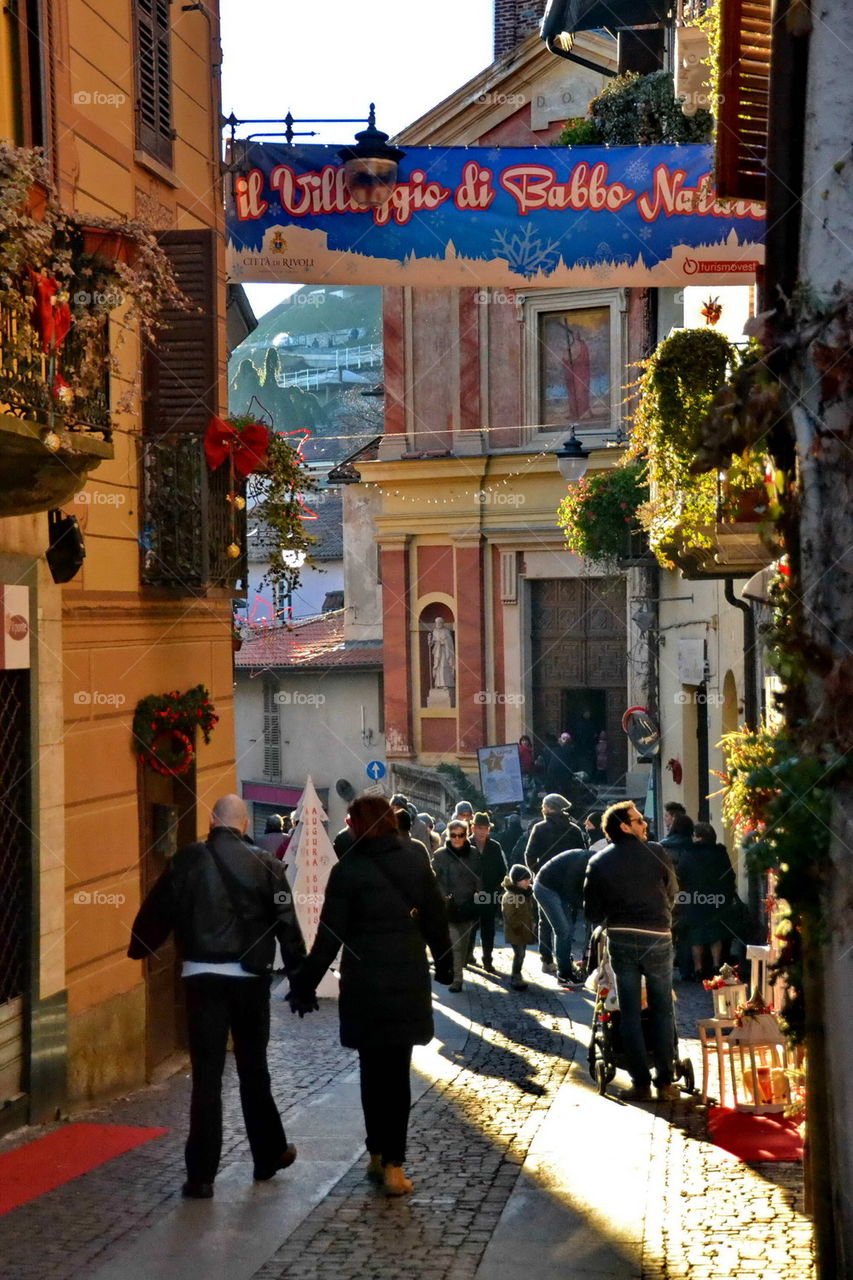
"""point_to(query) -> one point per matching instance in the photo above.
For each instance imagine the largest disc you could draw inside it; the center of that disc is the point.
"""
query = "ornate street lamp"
(572, 458)
(370, 167)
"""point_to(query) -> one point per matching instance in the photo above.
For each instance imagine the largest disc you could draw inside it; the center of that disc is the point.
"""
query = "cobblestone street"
(518, 1165)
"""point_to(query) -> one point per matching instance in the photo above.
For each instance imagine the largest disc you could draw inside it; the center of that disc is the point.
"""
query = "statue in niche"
(442, 655)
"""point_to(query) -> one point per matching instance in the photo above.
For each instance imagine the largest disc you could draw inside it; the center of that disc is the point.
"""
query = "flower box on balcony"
(104, 242)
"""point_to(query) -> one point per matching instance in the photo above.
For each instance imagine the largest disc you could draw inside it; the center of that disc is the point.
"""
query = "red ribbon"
(248, 447)
(50, 319)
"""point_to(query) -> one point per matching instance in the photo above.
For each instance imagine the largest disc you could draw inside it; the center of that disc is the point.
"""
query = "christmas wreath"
(164, 728)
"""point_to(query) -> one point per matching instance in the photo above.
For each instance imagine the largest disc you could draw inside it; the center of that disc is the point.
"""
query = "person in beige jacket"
(519, 920)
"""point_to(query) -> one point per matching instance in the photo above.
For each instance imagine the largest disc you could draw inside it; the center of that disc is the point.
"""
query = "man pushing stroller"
(630, 888)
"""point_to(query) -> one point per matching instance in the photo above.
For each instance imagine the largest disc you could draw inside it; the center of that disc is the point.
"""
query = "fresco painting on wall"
(574, 366)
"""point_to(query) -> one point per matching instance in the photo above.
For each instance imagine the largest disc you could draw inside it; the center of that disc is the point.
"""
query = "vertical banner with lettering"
(311, 854)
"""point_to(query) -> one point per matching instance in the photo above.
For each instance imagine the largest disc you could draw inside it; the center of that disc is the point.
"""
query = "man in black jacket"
(630, 888)
(553, 834)
(226, 902)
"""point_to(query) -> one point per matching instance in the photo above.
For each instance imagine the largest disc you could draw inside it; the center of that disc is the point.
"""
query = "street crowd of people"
(405, 884)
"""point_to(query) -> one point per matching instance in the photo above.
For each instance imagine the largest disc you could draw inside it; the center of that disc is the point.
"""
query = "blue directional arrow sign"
(375, 770)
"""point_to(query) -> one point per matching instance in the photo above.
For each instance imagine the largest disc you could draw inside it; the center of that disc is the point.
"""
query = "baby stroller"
(606, 1054)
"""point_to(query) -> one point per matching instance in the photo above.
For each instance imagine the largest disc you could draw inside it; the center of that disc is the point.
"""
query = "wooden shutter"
(272, 734)
(182, 368)
(154, 78)
(745, 34)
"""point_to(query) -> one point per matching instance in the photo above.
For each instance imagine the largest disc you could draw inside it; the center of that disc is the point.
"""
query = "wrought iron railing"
(188, 524)
(28, 381)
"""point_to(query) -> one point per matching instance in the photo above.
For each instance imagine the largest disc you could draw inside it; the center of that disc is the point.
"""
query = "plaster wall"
(320, 738)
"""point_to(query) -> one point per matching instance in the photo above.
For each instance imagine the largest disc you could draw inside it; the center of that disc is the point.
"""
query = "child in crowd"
(519, 925)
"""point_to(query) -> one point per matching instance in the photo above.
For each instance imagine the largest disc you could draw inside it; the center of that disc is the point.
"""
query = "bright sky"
(332, 58)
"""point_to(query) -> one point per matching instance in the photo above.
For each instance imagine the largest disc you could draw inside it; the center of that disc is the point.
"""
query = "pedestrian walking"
(707, 893)
(519, 920)
(558, 890)
(384, 906)
(492, 872)
(553, 834)
(419, 831)
(679, 839)
(274, 833)
(404, 826)
(527, 764)
(630, 888)
(434, 838)
(595, 837)
(457, 869)
(227, 902)
(465, 812)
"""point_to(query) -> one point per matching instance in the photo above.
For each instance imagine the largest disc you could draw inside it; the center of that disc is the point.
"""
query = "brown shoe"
(375, 1171)
(263, 1173)
(396, 1182)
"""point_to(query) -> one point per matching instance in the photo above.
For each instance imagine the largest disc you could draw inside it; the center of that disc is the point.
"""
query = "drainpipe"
(751, 705)
(573, 57)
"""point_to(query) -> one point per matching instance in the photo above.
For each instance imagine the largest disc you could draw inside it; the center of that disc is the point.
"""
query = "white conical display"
(311, 858)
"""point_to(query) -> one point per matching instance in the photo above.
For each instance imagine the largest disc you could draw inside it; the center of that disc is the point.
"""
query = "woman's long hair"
(371, 816)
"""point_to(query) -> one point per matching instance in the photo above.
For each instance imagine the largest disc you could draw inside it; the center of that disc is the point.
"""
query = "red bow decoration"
(51, 319)
(247, 448)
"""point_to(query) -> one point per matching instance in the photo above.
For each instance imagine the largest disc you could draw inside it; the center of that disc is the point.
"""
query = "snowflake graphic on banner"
(637, 170)
(525, 252)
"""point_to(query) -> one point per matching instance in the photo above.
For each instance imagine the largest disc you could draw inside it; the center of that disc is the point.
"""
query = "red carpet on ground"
(40, 1166)
(754, 1139)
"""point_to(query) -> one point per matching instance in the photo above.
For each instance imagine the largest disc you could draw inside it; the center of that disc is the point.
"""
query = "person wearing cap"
(492, 872)
(553, 834)
(434, 838)
(465, 811)
(418, 831)
(519, 919)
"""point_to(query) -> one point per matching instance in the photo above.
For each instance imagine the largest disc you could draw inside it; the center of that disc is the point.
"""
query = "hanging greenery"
(61, 275)
(598, 515)
(463, 786)
(164, 728)
(277, 494)
(636, 110)
(676, 392)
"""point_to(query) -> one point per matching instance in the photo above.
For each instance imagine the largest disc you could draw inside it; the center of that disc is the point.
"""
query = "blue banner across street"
(492, 218)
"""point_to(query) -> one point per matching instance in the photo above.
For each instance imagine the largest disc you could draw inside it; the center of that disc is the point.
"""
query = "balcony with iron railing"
(193, 537)
(51, 437)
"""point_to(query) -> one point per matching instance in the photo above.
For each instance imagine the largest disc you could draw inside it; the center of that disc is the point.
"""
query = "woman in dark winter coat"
(383, 904)
(458, 869)
(680, 838)
(707, 885)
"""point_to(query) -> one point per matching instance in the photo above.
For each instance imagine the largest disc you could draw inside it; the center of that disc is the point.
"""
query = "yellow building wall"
(119, 643)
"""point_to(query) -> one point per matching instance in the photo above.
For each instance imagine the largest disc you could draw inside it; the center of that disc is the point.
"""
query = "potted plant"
(691, 508)
(598, 515)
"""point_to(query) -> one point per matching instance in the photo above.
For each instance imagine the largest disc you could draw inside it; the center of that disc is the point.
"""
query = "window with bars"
(153, 78)
(272, 733)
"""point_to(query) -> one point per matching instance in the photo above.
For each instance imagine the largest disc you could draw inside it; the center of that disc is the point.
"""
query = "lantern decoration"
(758, 1061)
(727, 990)
(164, 727)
